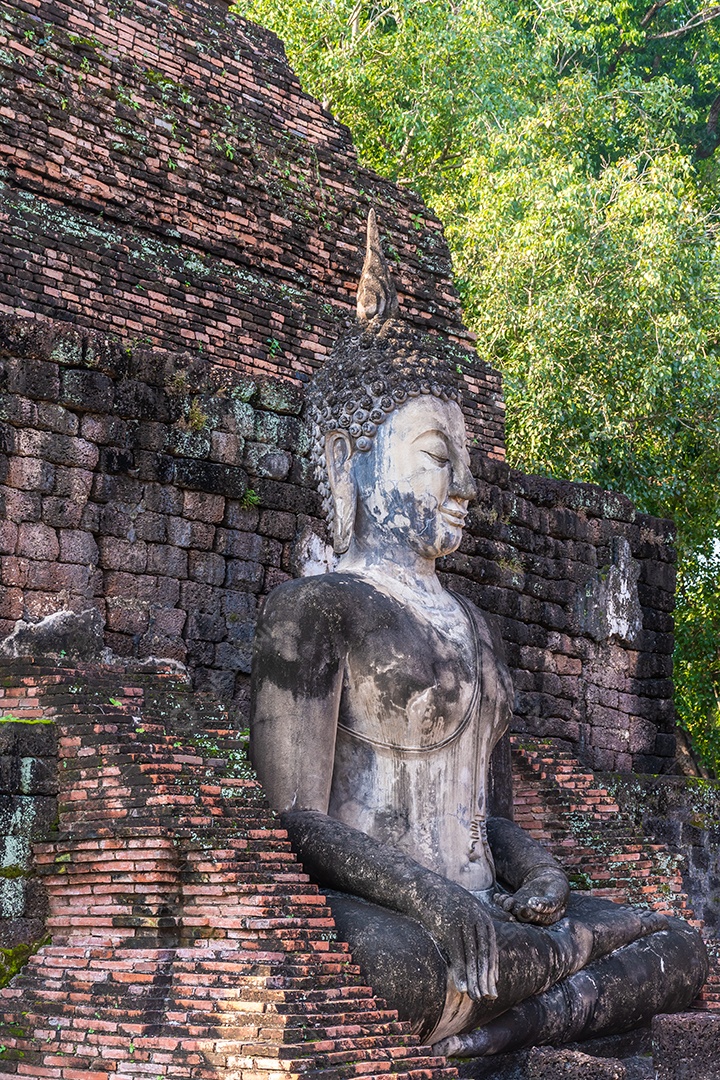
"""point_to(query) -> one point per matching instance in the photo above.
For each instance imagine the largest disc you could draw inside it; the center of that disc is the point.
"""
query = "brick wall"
(172, 495)
(164, 177)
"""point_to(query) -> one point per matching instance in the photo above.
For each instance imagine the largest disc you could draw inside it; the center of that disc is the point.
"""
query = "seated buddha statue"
(379, 699)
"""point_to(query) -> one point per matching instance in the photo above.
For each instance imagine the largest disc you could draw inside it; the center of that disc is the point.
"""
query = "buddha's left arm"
(540, 886)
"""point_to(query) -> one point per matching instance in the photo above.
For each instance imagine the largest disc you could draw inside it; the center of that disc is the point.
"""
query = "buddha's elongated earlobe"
(338, 451)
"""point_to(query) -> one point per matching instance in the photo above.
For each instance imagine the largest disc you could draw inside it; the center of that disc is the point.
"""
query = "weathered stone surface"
(686, 1046)
(64, 633)
(543, 1063)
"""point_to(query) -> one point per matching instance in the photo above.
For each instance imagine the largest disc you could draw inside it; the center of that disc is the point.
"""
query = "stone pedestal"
(686, 1046)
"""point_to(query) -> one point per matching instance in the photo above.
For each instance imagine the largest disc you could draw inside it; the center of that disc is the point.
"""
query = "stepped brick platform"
(566, 808)
(186, 940)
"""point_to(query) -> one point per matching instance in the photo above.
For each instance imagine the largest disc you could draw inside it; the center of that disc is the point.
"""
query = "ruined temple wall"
(583, 589)
(680, 813)
(164, 177)
(172, 495)
(182, 241)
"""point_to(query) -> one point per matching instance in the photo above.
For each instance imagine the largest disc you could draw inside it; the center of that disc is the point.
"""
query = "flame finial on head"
(376, 295)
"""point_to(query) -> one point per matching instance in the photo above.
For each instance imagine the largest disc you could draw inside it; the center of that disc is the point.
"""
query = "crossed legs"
(602, 969)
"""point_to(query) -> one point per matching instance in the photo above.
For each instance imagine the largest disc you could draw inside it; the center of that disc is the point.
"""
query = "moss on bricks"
(12, 960)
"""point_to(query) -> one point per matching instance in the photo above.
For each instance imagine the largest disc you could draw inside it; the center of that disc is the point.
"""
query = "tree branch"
(700, 19)
(652, 12)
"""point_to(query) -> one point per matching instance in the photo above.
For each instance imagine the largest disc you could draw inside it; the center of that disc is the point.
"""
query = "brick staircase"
(186, 941)
(561, 805)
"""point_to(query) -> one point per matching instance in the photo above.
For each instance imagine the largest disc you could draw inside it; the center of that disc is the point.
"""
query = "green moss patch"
(12, 960)
(9, 718)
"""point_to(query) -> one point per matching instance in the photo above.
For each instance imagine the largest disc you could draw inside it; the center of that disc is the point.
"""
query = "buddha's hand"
(463, 928)
(541, 899)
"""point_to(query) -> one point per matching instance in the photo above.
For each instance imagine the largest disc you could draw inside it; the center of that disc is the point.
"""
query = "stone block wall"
(164, 177)
(582, 586)
(163, 491)
(28, 811)
(172, 495)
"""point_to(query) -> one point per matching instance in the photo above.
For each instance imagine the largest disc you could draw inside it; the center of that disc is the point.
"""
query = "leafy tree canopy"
(572, 151)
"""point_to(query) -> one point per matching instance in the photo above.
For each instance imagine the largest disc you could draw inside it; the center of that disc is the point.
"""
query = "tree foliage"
(572, 150)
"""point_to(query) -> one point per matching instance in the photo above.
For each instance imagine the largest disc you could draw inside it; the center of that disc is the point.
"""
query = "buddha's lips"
(457, 517)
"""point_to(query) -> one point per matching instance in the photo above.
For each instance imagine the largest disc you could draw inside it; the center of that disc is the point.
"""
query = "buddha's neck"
(400, 567)
(422, 592)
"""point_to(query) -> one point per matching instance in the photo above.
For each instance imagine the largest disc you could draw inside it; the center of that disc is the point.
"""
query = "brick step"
(326, 1057)
(190, 960)
(88, 1011)
(135, 782)
(55, 979)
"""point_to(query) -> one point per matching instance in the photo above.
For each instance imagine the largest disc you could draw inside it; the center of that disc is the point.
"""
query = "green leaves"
(570, 149)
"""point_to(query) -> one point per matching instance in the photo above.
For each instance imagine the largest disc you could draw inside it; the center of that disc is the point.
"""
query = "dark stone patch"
(686, 1046)
(64, 634)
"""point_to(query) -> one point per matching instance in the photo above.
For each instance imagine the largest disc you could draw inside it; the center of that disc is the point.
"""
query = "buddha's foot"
(618, 925)
(475, 1044)
(548, 1017)
(653, 922)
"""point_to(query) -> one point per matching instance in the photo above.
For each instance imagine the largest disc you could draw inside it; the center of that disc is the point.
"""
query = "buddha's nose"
(462, 485)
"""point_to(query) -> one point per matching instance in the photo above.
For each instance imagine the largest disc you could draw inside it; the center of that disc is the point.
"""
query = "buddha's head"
(389, 434)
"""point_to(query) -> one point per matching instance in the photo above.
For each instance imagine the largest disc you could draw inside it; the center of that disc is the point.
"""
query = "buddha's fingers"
(487, 957)
(494, 965)
(472, 957)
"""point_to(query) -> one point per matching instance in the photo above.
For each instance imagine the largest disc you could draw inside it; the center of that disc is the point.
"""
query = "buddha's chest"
(409, 695)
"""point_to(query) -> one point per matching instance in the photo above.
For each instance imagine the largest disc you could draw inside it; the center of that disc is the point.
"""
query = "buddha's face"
(414, 485)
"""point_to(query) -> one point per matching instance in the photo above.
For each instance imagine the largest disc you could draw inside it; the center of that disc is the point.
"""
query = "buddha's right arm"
(340, 857)
(296, 684)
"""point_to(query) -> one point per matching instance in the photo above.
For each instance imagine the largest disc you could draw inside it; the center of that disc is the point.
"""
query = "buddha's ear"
(338, 454)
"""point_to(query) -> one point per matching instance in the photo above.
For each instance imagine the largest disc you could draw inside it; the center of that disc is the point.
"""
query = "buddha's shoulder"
(487, 628)
(323, 596)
